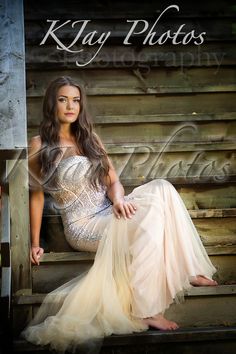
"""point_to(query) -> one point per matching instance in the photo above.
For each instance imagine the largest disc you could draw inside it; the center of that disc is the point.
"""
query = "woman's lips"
(69, 114)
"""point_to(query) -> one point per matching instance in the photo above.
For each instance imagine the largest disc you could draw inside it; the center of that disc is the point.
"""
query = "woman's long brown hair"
(82, 129)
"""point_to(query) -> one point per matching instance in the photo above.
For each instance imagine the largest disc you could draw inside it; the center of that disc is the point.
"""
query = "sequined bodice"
(74, 196)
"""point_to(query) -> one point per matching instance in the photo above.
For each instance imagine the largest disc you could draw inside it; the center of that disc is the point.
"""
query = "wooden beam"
(216, 29)
(190, 104)
(132, 81)
(124, 9)
(48, 57)
(12, 83)
(164, 118)
(13, 154)
(5, 249)
(24, 299)
(13, 144)
(195, 214)
(20, 240)
(69, 257)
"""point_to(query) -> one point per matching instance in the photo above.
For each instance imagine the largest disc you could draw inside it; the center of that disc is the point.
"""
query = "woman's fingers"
(32, 258)
(125, 209)
(36, 253)
(35, 258)
(117, 214)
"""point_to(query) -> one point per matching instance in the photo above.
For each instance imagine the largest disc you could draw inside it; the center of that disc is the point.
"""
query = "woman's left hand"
(124, 208)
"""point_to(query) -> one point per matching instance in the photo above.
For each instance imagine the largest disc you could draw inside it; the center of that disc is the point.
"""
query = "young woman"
(147, 248)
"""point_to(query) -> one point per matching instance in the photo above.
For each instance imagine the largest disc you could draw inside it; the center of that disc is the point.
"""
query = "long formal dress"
(141, 266)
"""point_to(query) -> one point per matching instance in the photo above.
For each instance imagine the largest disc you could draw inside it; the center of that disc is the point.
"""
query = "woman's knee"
(162, 181)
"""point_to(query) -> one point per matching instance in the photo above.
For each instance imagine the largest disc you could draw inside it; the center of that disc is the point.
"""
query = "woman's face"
(68, 104)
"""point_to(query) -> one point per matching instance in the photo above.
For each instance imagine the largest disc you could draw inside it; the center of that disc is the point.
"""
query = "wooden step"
(22, 298)
(59, 267)
(203, 306)
(214, 339)
(216, 227)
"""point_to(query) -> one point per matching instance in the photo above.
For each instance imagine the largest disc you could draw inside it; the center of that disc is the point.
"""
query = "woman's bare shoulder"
(35, 142)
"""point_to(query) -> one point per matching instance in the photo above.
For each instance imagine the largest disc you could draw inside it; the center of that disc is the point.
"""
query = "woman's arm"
(36, 201)
(115, 192)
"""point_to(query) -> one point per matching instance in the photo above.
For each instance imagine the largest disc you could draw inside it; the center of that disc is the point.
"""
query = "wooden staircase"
(207, 318)
(140, 96)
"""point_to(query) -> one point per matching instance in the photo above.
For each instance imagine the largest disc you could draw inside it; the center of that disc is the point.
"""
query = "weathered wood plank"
(201, 103)
(208, 299)
(12, 154)
(159, 118)
(57, 273)
(178, 166)
(217, 340)
(221, 250)
(24, 299)
(182, 180)
(217, 231)
(54, 218)
(159, 132)
(151, 104)
(140, 147)
(123, 9)
(133, 81)
(202, 200)
(5, 218)
(210, 54)
(5, 270)
(214, 28)
(13, 106)
(217, 234)
(19, 208)
(206, 311)
(53, 257)
(155, 118)
(209, 196)
(6, 287)
(84, 257)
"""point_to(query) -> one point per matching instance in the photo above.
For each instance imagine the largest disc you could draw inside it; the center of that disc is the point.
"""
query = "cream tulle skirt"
(142, 265)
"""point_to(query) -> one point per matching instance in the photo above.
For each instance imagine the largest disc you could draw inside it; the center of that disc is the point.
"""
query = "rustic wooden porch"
(162, 112)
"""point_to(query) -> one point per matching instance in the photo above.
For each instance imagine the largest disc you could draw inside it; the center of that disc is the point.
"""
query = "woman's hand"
(124, 208)
(35, 254)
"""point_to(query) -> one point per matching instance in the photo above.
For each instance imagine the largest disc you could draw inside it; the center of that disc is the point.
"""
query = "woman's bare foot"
(201, 280)
(160, 322)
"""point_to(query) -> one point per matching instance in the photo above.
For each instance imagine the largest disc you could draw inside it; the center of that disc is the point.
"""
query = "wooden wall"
(163, 111)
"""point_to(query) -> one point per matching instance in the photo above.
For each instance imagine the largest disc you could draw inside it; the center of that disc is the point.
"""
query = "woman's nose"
(69, 104)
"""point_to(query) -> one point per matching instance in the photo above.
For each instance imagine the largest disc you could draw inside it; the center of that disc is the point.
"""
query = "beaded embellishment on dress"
(78, 201)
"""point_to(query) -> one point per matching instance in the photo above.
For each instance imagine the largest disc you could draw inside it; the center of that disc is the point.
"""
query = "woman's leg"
(167, 253)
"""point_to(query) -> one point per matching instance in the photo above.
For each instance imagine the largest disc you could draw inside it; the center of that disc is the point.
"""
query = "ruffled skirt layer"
(142, 265)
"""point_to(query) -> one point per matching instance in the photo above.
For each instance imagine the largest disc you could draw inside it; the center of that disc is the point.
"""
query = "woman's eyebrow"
(68, 96)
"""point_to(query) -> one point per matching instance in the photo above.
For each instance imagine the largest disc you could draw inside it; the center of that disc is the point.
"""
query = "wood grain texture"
(12, 66)
(19, 208)
(200, 103)
(135, 81)
(24, 299)
(58, 273)
(208, 54)
(110, 9)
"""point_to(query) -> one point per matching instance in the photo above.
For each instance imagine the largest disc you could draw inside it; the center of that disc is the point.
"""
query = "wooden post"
(13, 139)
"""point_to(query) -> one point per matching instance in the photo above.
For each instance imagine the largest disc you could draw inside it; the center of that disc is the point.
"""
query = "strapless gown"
(141, 266)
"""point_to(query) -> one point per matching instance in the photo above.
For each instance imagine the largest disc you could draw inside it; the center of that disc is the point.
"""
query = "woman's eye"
(61, 99)
(77, 100)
